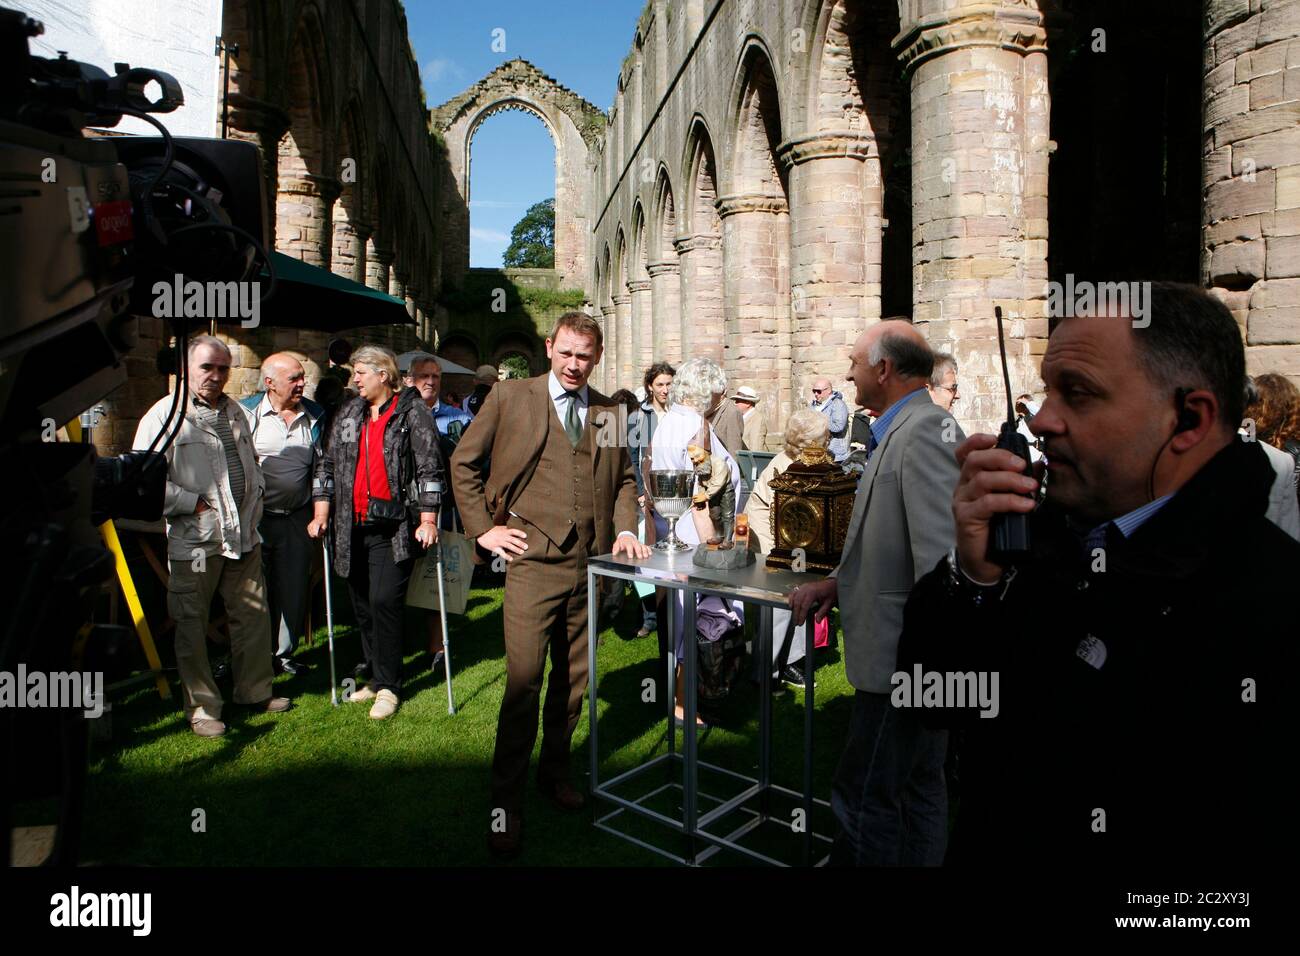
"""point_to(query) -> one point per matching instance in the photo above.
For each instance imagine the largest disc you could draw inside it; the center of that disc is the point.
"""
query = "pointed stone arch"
(756, 239)
(699, 249)
(664, 269)
(575, 127)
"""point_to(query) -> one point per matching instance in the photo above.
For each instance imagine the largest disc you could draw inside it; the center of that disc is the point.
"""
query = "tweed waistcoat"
(559, 497)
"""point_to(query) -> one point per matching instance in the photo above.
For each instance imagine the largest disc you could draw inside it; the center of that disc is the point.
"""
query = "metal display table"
(754, 585)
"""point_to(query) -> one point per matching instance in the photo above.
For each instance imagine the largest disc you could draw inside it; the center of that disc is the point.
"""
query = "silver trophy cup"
(670, 490)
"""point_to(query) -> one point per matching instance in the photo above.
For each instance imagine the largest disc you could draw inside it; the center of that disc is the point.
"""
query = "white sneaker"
(362, 693)
(385, 705)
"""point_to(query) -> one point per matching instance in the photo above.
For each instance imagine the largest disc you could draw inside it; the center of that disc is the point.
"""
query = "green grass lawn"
(326, 786)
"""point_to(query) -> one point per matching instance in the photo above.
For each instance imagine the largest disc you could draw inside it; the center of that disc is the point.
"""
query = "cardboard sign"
(457, 569)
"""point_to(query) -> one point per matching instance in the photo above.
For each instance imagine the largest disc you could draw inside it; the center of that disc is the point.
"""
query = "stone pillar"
(626, 346)
(609, 362)
(379, 260)
(1250, 253)
(349, 259)
(666, 310)
(756, 298)
(835, 242)
(979, 110)
(701, 296)
(305, 218)
(643, 340)
(265, 125)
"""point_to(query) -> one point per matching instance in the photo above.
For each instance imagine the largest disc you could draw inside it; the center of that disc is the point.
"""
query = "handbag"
(379, 510)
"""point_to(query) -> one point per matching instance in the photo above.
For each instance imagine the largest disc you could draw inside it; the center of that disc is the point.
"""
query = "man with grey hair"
(943, 381)
(213, 505)
(287, 436)
(831, 404)
(889, 793)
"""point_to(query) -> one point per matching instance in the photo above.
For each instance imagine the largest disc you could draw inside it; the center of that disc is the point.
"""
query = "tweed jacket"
(901, 526)
(511, 428)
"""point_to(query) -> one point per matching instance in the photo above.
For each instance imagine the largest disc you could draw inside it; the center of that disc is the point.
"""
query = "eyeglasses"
(951, 388)
(818, 391)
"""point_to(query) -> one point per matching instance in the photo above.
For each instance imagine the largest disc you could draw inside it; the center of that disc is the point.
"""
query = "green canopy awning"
(308, 297)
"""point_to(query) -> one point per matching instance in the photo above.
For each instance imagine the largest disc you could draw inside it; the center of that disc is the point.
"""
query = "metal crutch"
(329, 616)
(446, 634)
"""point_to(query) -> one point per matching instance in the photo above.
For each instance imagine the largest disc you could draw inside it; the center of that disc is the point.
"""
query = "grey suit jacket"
(901, 526)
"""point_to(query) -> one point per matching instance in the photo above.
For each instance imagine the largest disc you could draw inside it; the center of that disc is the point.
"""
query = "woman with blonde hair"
(807, 428)
(685, 441)
(383, 475)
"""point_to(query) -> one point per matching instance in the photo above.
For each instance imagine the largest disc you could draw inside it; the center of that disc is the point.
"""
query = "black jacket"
(410, 444)
(1188, 611)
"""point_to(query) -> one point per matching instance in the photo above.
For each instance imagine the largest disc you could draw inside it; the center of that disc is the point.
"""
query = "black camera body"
(87, 225)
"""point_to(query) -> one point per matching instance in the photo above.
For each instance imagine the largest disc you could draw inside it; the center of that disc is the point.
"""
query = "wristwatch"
(962, 585)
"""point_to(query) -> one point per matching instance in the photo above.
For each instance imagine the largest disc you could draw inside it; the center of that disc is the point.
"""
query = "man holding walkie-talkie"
(1140, 634)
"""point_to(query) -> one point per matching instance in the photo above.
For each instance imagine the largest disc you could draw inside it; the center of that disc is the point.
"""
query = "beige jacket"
(759, 505)
(755, 433)
(196, 466)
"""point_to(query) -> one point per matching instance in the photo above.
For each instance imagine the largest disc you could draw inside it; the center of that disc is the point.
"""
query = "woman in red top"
(375, 439)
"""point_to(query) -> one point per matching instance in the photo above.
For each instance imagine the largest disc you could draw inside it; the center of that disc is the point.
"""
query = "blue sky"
(580, 43)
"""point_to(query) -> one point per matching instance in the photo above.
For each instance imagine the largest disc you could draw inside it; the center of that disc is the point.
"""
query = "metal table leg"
(765, 710)
(592, 640)
(690, 769)
(808, 700)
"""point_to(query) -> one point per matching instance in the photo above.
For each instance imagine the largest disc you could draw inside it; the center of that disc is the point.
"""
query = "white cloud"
(440, 68)
(490, 235)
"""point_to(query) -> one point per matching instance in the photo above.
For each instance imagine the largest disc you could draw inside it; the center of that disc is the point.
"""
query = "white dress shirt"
(285, 453)
(561, 401)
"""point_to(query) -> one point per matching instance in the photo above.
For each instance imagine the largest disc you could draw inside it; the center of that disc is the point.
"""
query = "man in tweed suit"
(555, 494)
(889, 793)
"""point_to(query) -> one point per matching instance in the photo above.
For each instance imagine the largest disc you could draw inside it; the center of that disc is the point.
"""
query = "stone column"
(701, 296)
(305, 218)
(756, 298)
(349, 259)
(626, 346)
(643, 340)
(264, 124)
(1250, 254)
(980, 144)
(609, 363)
(835, 243)
(397, 289)
(666, 310)
(379, 259)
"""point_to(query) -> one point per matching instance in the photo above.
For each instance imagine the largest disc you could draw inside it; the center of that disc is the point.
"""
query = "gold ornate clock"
(812, 501)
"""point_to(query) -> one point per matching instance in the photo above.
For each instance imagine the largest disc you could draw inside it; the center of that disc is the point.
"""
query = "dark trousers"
(889, 793)
(545, 615)
(378, 588)
(286, 562)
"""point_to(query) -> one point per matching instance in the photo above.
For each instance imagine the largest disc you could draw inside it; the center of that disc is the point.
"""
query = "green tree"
(532, 240)
(516, 365)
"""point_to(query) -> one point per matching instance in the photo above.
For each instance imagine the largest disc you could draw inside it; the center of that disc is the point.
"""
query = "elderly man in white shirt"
(286, 437)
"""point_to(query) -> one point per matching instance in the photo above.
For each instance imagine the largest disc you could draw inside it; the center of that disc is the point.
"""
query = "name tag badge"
(1091, 650)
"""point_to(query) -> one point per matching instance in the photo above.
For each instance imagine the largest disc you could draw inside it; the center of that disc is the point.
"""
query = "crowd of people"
(1162, 493)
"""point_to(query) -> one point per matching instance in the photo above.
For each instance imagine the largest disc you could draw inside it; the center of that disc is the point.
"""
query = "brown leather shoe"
(272, 705)
(563, 794)
(507, 843)
(207, 727)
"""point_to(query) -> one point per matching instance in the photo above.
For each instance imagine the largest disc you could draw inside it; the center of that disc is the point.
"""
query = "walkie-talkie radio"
(1009, 530)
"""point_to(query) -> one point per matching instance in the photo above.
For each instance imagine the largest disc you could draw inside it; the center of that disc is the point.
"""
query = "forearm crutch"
(446, 634)
(329, 615)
